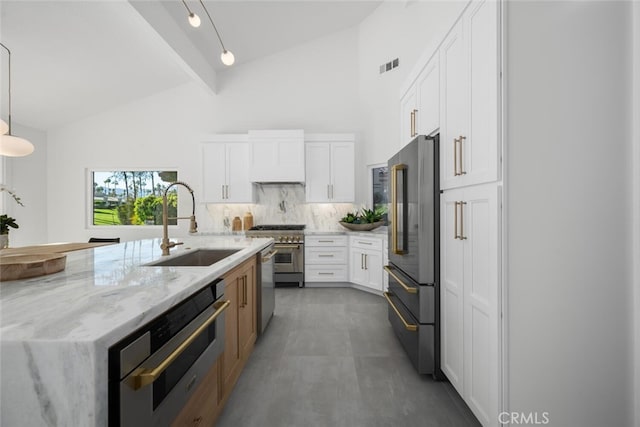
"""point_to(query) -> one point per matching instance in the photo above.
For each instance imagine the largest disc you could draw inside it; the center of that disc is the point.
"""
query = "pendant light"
(226, 56)
(10, 145)
(194, 19)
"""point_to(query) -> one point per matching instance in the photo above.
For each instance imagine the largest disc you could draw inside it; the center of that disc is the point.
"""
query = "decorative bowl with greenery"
(364, 220)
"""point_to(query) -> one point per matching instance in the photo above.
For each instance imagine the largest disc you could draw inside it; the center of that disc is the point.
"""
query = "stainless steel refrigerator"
(414, 252)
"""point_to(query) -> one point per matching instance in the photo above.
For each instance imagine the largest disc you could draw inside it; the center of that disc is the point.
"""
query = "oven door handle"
(408, 326)
(287, 246)
(269, 256)
(144, 376)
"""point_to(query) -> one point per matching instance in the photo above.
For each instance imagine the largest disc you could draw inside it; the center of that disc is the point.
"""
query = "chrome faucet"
(193, 225)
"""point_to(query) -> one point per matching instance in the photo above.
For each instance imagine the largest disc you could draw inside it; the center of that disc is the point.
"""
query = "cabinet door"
(357, 273)
(454, 105)
(247, 320)
(318, 171)
(240, 188)
(480, 149)
(277, 155)
(481, 298)
(408, 105)
(373, 269)
(214, 172)
(451, 288)
(231, 355)
(428, 92)
(342, 172)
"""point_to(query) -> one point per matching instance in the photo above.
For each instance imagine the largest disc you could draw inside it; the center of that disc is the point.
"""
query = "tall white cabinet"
(467, 66)
(470, 286)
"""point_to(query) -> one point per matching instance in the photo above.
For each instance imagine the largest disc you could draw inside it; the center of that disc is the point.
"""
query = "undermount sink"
(196, 258)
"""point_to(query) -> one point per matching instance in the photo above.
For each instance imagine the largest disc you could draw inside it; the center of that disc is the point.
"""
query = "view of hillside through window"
(132, 197)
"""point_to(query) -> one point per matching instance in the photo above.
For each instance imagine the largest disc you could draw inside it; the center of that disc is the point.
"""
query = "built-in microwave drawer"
(417, 340)
(419, 299)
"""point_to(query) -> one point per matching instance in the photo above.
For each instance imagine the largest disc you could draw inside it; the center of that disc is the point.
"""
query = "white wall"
(569, 211)
(636, 201)
(312, 87)
(24, 175)
(401, 30)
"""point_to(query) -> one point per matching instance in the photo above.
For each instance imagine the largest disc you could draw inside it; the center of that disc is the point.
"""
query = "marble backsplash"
(280, 204)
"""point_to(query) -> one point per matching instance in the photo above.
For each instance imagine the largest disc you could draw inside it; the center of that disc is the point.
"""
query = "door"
(214, 172)
(428, 92)
(342, 172)
(239, 188)
(356, 267)
(231, 358)
(454, 105)
(373, 270)
(247, 320)
(318, 171)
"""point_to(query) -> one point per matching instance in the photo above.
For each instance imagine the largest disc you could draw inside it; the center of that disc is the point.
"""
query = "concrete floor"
(329, 358)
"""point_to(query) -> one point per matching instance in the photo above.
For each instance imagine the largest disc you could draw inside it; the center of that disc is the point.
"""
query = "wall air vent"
(389, 66)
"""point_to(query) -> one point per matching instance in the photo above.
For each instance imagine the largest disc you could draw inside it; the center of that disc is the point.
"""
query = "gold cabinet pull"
(222, 189)
(455, 157)
(462, 236)
(145, 376)
(412, 116)
(325, 256)
(325, 274)
(365, 262)
(455, 221)
(461, 169)
(408, 326)
(408, 289)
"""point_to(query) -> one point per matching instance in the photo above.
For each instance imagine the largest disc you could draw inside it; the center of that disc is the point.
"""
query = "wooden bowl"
(368, 226)
(24, 266)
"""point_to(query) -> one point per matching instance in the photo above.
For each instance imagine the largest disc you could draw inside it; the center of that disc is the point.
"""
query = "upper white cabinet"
(469, 77)
(330, 166)
(420, 105)
(276, 156)
(224, 170)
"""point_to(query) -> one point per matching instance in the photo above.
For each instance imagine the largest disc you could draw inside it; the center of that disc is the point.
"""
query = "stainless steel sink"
(196, 258)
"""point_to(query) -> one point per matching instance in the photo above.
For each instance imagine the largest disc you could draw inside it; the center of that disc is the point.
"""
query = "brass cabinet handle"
(325, 241)
(144, 376)
(325, 274)
(408, 326)
(412, 116)
(287, 246)
(408, 289)
(462, 236)
(361, 261)
(325, 256)
(222, 190)
(455, 157)
(365, 243)
(366, 267)
(455, 221)
(269, 256)
(394, 208)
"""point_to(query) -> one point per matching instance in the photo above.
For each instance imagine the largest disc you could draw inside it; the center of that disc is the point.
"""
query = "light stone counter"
(55, 330)
(380, 232)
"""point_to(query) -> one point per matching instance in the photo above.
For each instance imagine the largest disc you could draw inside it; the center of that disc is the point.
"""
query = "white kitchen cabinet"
(330, 168)
(325, 258)
(420, 105)
(225, 172)
(470, 296)
(469, 77)
(277, 156)
(365, 262)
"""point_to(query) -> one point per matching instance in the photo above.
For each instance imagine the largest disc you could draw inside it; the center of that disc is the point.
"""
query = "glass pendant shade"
(13, 146)
(4, 127)
(194, 20)
(227, 58)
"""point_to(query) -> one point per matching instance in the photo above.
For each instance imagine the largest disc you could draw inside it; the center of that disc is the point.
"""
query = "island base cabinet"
(204, 406)
(240, 323)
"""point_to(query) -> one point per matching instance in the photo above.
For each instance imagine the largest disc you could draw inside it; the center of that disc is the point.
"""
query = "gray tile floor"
(329, 358)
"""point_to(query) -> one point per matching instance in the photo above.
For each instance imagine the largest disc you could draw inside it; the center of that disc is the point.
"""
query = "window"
(379, 185)
(132, 197)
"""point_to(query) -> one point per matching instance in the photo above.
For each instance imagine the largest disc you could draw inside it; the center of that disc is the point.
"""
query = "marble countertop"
(55, 330)
(380, 232)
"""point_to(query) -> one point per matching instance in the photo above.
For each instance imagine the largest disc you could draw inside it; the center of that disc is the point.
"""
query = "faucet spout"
(193, 225)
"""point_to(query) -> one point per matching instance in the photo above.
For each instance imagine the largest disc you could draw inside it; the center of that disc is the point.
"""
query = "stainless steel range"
(289, 242)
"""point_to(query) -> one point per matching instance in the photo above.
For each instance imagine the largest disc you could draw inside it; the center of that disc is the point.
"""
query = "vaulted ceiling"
(72, 59)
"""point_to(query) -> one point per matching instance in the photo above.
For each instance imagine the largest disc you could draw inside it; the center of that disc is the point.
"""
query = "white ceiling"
(73, 59)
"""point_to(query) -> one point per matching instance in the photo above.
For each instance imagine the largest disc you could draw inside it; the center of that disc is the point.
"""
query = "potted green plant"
(364, 220)
(6, 222)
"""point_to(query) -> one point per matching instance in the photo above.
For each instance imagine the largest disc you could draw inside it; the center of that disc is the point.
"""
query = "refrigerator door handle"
(408, 289)
(395, 219)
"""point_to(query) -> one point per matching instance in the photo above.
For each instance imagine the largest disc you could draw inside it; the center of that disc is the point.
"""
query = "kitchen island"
(55, 330)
